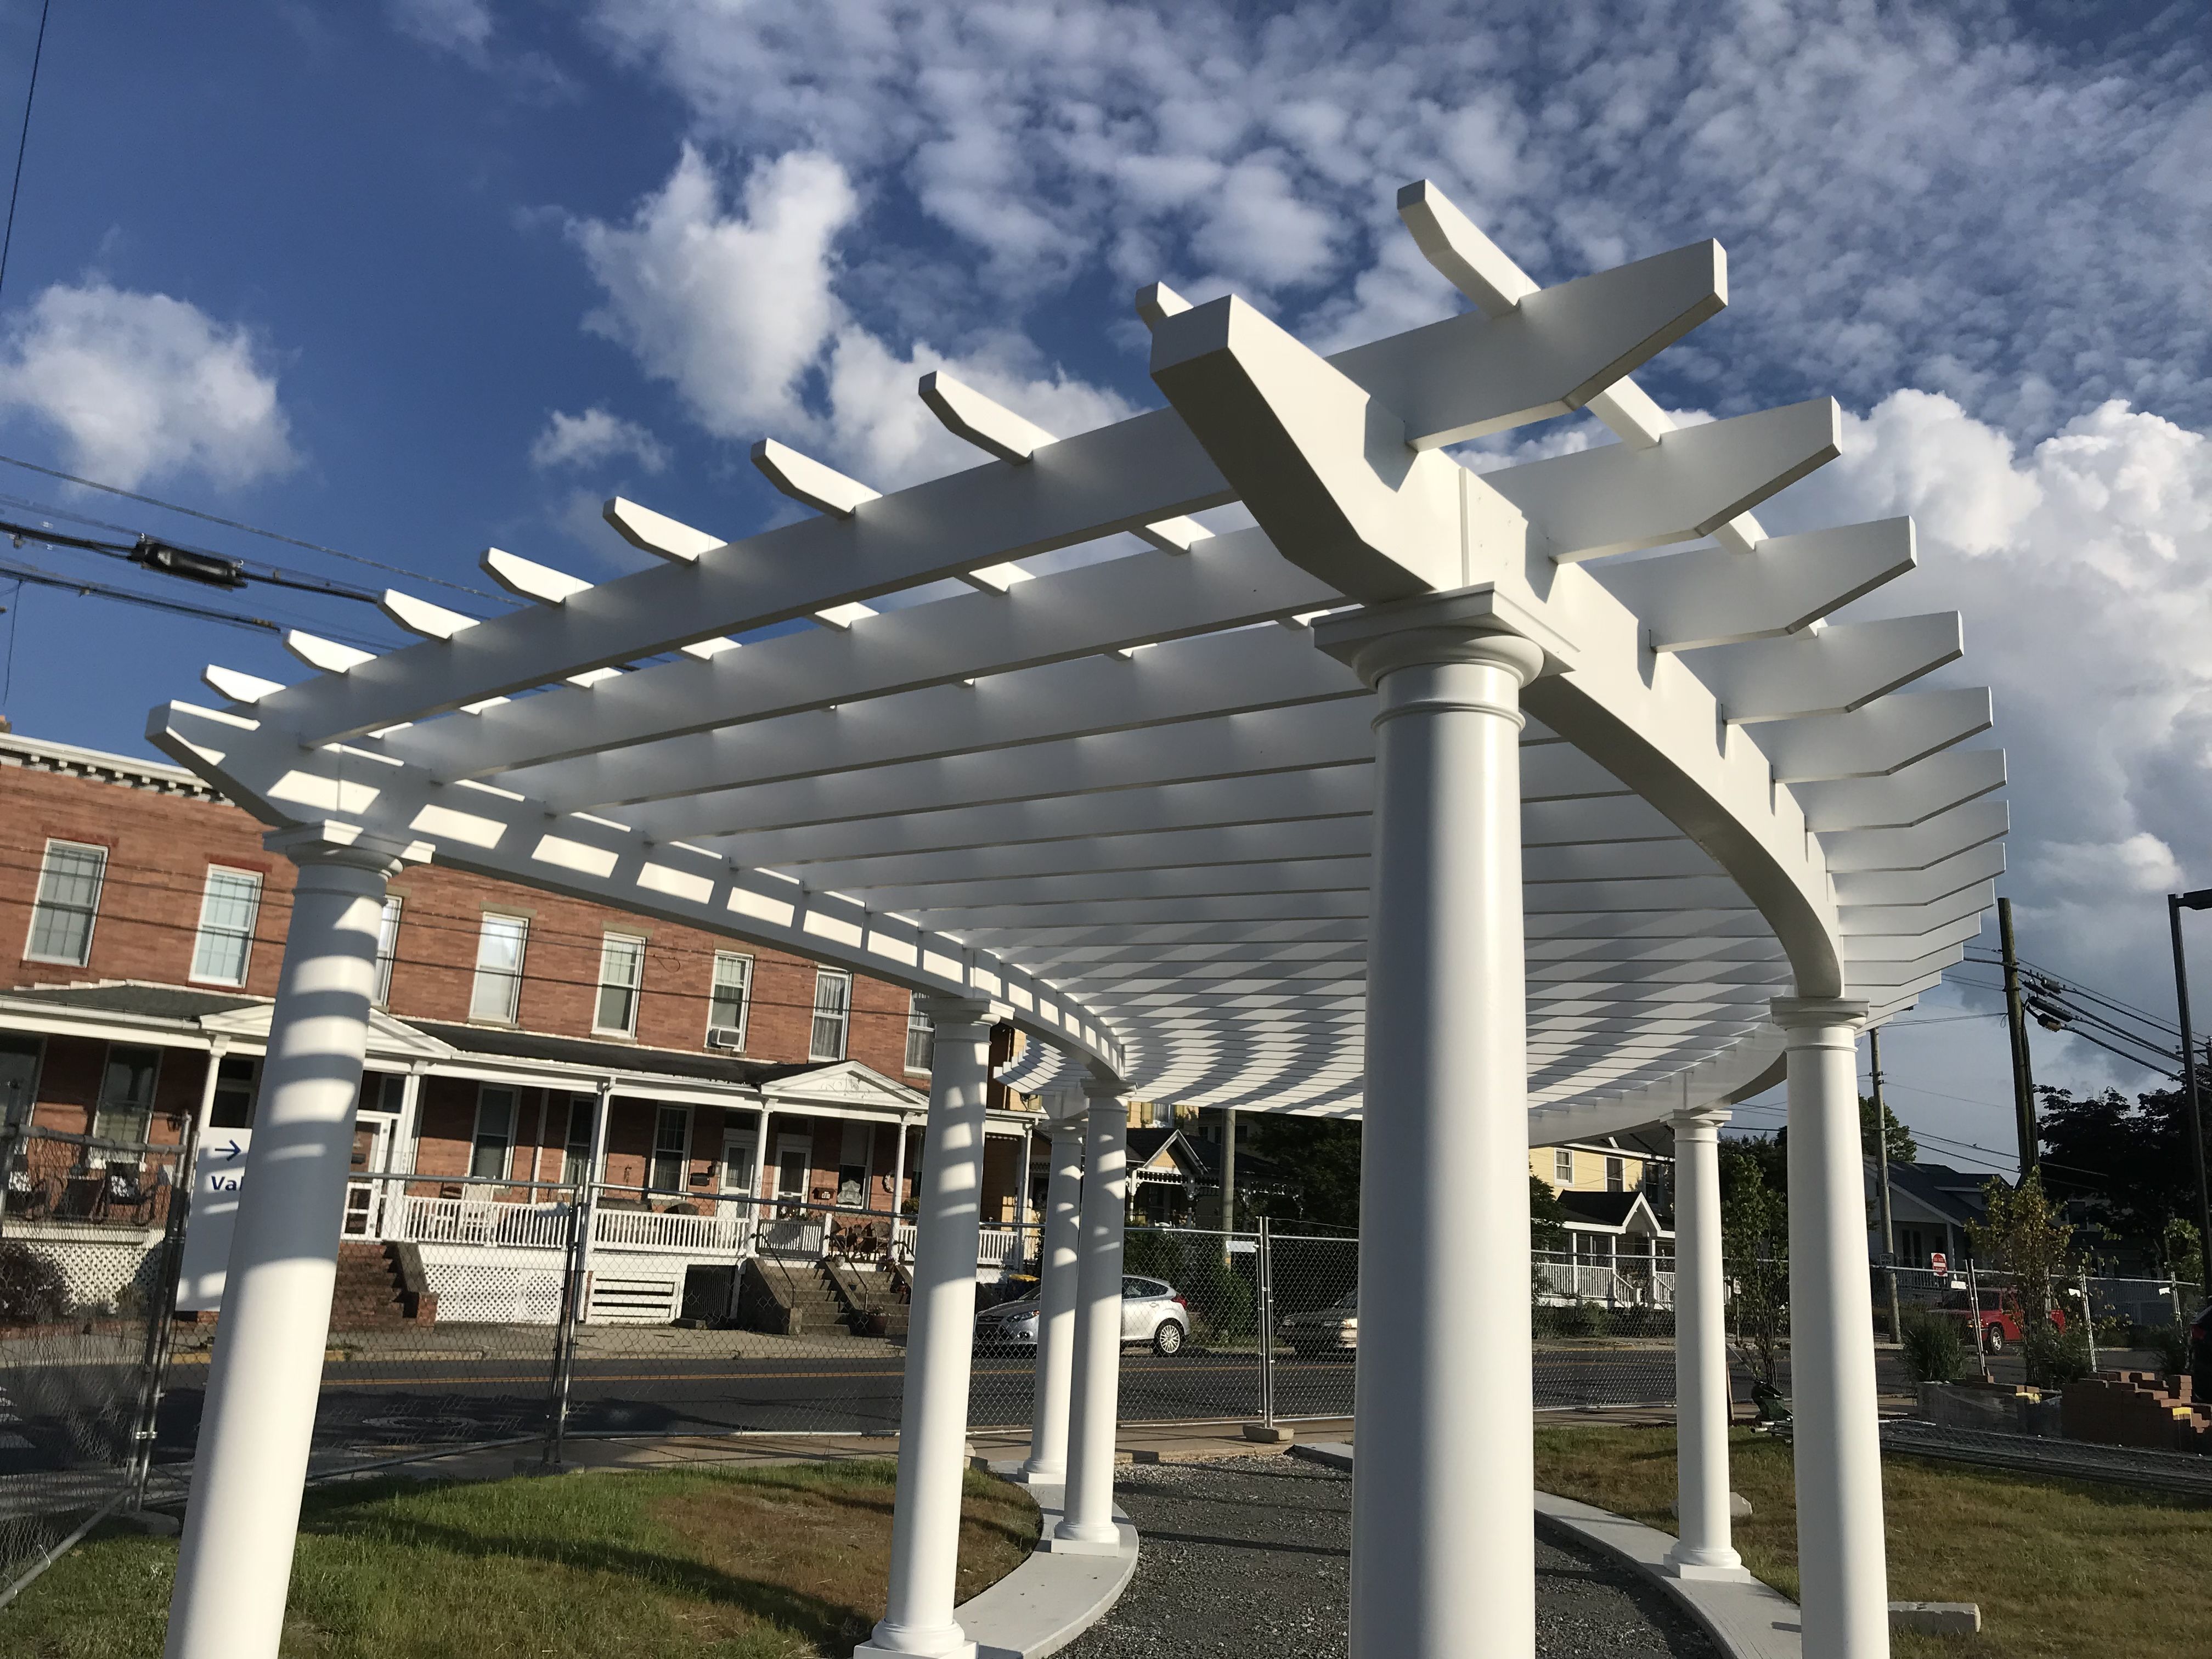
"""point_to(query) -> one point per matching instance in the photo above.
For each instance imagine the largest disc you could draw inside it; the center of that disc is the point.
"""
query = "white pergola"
(1431, 793)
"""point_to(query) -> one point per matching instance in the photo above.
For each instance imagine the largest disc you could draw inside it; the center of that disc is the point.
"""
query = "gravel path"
(1249, 1556)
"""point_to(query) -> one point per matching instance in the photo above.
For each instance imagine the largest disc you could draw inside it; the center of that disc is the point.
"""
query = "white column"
(1443, 1553)
(1095, 1387)
(1843, 1578)
(235, 1559)
(1047, 1464)
(409, 1129)
(1701, 1363)
(933, 1456)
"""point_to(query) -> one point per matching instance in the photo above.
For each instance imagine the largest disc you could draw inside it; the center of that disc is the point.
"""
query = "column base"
(1023, 1475)
(950, 1643)
(1718, 1568)
(1123, 1542)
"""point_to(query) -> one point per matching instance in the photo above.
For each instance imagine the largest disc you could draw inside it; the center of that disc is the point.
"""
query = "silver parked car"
(1324, 1332)
(1152, 1311)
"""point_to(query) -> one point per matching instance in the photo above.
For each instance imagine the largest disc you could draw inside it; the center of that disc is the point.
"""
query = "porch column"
(1443, 1555)
(1047, 1464)
(1844, 1579)
(409, 1129)
(1701, 1365)
(1087, 1524)
(235, 1562)
(932, 1458)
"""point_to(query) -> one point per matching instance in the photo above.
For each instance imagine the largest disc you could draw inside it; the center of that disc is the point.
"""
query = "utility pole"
(2023, 1076)
(2175, 904)
(1888, 1219)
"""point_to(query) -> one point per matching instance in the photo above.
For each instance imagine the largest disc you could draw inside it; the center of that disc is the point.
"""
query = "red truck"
(2001, 1322)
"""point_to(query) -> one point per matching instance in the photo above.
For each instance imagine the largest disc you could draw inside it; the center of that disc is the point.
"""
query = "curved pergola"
(1130, 807)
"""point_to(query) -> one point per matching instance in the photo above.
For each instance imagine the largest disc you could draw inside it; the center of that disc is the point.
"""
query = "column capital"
(1795, 1014)
(949, 1010)
(330, 842)
(1701, 1123)
(1476, 624)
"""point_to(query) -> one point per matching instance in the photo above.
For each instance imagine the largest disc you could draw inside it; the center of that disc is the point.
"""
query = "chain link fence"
(2100, 1321)
(90, 1232)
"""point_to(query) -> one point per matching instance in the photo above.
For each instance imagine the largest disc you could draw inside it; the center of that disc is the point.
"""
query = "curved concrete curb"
(1745, 1619)
(1050, 1600)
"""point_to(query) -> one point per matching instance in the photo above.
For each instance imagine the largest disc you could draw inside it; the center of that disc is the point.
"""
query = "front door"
(372, 1151)
(740, 1182)
(795, 1231)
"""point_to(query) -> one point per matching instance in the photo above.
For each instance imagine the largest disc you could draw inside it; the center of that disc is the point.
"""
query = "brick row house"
(726, 1088)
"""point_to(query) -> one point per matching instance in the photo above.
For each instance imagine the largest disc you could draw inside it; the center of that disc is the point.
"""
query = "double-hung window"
(69, 898)
(497, 993)
(671, 1148)
(622, 972)
(494, 1136)
(387, 951)
(126, 1093)
(1616, 1175)
(726, 1002)
(1563, 1167)
(224, 945)
(833, 1012)
(920, 1037)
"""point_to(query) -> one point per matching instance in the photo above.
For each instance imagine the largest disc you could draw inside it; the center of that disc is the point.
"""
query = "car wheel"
(1993, 1339)
(1168, 1338)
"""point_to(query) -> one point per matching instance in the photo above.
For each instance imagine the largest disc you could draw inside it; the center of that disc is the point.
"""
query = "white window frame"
(919, 1026)
(40, 901)
(204, 934)
(499, 919)
(388, 949)
(661, 1111)
(633, 945)
(1616, 1169)
(742, 964)
(477, 1139)
(1563, 1166)
(842, 1014)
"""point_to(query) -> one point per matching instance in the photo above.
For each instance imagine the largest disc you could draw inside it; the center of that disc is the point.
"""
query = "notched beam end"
(808, 481)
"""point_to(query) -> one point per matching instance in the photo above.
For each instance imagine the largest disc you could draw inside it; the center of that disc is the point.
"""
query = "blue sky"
(414, 278)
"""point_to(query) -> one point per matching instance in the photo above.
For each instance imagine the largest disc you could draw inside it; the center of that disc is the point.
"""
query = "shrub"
(32, 1289)
(2054, 1358)
(2171, 1344)
(1935, 1349)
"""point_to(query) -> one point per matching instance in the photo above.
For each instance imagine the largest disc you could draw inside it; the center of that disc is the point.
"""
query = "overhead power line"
(250, 529)
(85, 585)
(23, 140)
(190, 563)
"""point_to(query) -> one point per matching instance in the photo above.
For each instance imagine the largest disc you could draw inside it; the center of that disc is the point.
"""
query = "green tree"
(2023, 1235)
(1755, 1242)
(2185, 1252)
(1903, 1148)
(1319, 1157)
(1547, 1216)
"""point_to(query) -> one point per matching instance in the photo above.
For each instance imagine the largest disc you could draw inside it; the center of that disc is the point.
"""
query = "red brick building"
(515, 1031)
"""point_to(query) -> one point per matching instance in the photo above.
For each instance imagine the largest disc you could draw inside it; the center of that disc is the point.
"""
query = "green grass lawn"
(2060, 1567)
(751, 1564)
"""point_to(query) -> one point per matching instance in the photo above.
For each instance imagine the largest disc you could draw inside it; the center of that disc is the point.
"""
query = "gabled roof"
(1611, 1213)
(842, 1083)
(1952, 1193)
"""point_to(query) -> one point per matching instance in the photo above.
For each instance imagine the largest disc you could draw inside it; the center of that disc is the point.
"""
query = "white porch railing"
(1616, 1284)
(477, 1221)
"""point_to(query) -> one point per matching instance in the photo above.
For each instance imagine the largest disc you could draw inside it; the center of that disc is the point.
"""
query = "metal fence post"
(1266, 1322)
(2089, 1321)
(564, 1334)
(1974, 1307)
(160, 1320)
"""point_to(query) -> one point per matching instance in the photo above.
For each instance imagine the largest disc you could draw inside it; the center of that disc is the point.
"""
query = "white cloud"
(2082, 566)
(742, 312)
(143, 387)
(594, 438)
(1913, 195)
(462, 26)
(731, 307)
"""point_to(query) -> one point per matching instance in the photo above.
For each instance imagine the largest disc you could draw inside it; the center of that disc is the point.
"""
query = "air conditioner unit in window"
(725, 1036)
